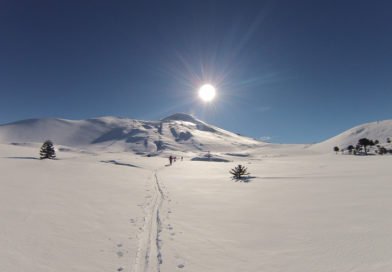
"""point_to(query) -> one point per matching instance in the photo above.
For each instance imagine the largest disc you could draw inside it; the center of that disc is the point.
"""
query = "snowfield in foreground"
(124, 212)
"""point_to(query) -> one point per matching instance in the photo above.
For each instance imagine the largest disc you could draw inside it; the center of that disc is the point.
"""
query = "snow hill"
(178, 132)
(380, 131)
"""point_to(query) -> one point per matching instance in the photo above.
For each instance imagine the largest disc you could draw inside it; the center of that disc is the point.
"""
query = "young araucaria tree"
(47, 150)
(239, 171)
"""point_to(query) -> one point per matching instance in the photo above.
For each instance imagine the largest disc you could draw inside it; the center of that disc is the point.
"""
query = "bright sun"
(207, 92)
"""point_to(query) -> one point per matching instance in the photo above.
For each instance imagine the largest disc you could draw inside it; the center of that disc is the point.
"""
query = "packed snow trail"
(149, 257)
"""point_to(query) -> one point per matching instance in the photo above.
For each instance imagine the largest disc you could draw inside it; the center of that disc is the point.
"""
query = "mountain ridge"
(179, 131)
(176, 132)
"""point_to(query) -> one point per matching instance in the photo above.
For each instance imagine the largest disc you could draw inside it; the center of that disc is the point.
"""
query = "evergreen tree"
(382, 150)
(47, 150)
(239, 171)
(365, 142)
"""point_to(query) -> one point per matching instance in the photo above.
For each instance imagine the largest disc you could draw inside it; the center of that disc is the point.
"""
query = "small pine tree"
(47, 150)
(239, 171)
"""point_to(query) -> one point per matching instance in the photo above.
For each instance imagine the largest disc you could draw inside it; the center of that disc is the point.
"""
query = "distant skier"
(171, 160)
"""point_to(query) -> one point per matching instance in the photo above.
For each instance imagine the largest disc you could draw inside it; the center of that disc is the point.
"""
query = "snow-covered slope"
(118, 211)
(380, 131)
(124, 212)
(180, 132)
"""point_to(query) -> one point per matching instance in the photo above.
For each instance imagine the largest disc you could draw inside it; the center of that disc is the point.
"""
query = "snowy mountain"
(180, 132)
(380, 131)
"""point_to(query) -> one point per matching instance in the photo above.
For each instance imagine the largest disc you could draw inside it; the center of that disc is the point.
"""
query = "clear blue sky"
(291, 71)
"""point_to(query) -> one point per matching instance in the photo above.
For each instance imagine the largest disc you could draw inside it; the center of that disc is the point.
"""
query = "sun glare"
(207, 92)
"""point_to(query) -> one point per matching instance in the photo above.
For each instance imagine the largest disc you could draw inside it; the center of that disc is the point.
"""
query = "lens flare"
(207, 92)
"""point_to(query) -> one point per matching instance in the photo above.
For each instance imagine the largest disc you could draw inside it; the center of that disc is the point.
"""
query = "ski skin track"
(148, 256)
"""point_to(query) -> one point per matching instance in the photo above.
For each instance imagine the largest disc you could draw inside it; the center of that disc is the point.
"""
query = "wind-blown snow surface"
(98, 208)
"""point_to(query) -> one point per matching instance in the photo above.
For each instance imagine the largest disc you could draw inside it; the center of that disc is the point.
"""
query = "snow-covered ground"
(118, 211)
(71, 214)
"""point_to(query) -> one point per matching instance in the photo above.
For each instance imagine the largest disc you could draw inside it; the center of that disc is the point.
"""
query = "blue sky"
(289, 71)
